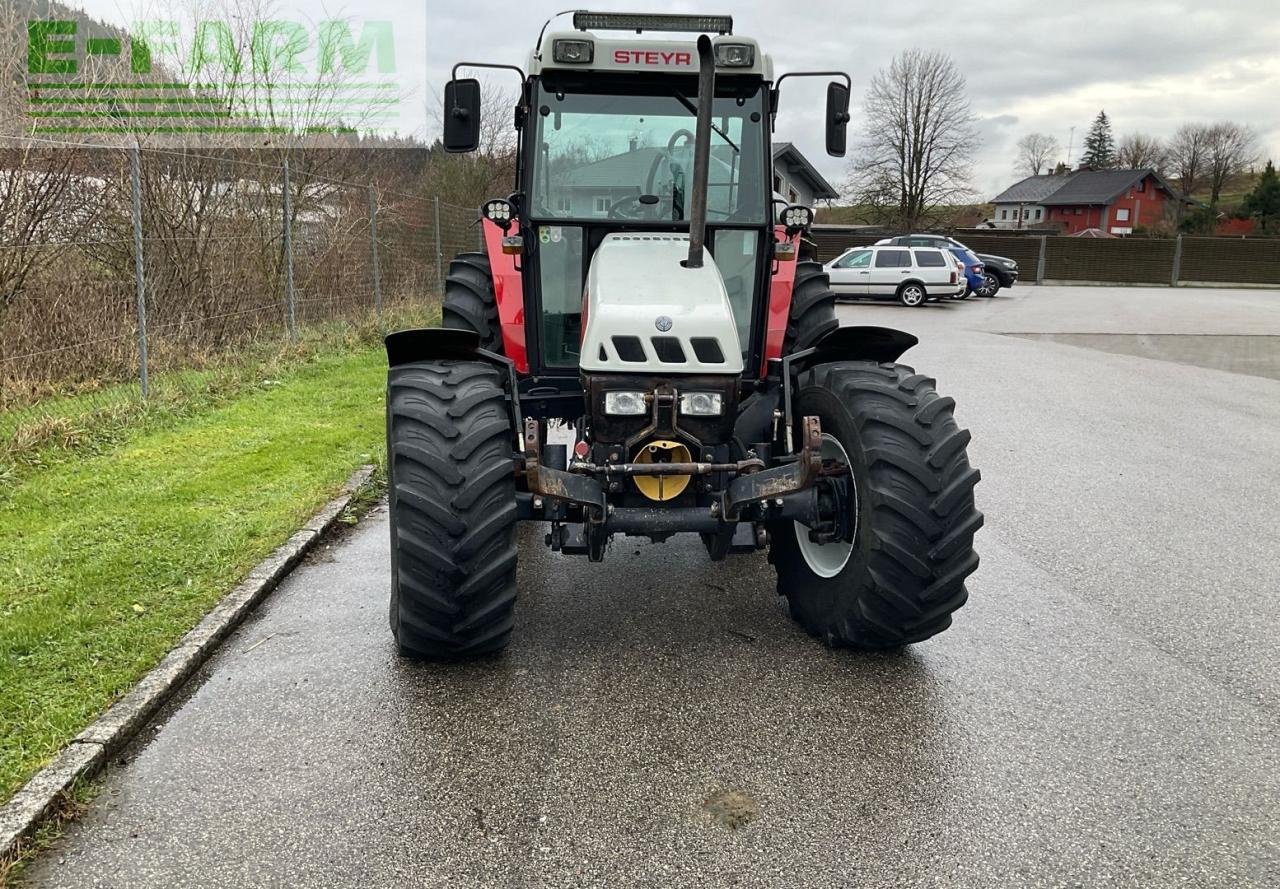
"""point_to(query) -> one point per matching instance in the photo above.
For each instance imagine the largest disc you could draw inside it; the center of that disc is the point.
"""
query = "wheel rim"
(988, 285)
(912, 295)
(829, 559)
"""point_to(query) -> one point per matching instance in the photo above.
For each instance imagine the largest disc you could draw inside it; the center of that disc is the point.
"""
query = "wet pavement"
(1105, 711)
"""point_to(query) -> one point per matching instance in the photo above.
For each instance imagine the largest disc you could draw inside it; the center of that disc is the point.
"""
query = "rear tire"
(813, 308)
(912, 295)
(453, 509)
(915, 515)
(469, 300)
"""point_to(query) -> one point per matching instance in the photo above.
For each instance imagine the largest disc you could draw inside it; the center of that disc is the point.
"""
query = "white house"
(797, 180)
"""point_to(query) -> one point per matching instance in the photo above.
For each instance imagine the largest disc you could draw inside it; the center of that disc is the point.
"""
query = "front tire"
(912, 538)
(452, 502)
(990, 285)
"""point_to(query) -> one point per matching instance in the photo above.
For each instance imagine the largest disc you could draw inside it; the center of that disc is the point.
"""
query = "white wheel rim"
(911, 296)
(828, 559)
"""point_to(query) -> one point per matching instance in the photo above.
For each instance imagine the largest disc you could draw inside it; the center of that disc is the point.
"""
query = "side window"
(892, 259)
(1004, 214)
(859, 259)
(1038, 212)
(930, 259)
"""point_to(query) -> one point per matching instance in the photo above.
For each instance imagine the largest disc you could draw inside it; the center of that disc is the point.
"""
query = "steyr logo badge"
(663, 323)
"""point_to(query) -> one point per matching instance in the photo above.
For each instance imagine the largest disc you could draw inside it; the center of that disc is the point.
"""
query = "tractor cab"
(608, 138)
(641, 291)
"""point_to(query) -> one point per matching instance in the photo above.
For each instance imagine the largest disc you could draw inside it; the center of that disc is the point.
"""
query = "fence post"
(288, 253)
(373, 243)
(135, 169)
(1044, 240)
(439, 252)
(1177, 262)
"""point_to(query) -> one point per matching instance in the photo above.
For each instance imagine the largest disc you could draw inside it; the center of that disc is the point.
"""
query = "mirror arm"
(519, 71)
(777, 84)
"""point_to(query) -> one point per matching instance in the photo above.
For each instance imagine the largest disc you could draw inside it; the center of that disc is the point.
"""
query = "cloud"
(1029, 65)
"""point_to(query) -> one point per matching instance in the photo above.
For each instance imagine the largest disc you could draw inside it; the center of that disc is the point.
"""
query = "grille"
(629, 348)
(668, 349)
(707, 349)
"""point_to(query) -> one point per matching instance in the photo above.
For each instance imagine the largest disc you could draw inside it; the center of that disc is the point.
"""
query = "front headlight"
(625, 404)
(735, 55)
(701, 404)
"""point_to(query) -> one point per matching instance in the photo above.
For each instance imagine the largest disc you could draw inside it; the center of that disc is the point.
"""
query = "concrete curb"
(85, 755)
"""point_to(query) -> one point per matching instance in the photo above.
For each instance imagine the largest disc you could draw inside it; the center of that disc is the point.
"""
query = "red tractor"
(641, 286)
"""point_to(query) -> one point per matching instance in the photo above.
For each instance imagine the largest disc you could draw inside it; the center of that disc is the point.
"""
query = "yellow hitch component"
(662, 487)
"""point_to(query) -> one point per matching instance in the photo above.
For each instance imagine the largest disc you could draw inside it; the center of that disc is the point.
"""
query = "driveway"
(1104, 712)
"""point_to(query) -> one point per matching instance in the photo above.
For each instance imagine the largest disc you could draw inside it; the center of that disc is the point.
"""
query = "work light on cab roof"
(643, 286)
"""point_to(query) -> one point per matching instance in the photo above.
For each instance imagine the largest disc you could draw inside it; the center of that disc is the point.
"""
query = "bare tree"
(1140, 151)
(1188, 155)
(919, 138)
(466, 180)
(1231, 148)
(1036, 154)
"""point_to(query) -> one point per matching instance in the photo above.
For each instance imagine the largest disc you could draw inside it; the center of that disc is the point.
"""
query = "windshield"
(630, 157)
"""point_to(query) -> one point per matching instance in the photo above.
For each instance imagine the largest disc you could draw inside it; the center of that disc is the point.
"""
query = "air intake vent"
(668, 349)
(707, 349)
(629, 348)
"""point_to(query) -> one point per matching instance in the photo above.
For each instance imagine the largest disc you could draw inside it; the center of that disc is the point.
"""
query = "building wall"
(1144, 208)
(1076, 219)
(1006, 215)
(791, 187)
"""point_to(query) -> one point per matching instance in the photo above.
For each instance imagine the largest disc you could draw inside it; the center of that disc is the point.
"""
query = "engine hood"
(637, 288)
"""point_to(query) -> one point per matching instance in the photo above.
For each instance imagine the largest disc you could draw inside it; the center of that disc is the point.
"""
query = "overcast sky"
(1030, 65)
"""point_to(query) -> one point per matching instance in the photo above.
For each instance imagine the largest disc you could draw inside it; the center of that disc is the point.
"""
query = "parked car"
(913, 277)
(973, 270)
(997, 271)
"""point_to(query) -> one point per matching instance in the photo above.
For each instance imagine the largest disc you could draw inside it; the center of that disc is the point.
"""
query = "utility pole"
(1071, 141)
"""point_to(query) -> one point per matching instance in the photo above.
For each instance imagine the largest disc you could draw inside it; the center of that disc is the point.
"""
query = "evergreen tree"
(1100, 144)
(1263, 203)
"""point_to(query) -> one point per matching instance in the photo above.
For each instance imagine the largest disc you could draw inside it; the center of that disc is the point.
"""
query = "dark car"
(997, 271)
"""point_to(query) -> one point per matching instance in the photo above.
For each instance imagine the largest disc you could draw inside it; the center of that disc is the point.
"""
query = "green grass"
(108, 557)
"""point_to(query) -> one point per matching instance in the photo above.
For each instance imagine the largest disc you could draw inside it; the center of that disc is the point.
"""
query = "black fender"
(451, 344)
(857, 343)
(436, 344)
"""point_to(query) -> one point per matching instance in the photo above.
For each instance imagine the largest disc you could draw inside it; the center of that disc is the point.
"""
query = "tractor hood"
(645, 312)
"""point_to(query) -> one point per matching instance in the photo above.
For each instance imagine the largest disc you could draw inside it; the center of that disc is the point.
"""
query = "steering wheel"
(633, 199)
(686, 135)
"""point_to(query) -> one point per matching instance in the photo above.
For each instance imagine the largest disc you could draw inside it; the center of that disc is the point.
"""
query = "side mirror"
(837, 118)
(461, 115)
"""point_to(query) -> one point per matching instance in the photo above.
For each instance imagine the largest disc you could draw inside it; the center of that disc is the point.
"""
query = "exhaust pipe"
(701, 153)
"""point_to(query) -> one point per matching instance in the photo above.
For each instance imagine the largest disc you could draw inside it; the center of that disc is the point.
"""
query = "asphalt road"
(1105, 711)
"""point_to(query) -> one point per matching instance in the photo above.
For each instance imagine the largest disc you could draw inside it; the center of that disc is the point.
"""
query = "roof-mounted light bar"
(638, 22)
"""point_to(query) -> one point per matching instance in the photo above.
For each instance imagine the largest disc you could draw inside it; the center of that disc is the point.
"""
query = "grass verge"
(107, 558)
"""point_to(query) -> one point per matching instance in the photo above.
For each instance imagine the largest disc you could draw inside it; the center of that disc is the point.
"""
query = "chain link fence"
(131, 278)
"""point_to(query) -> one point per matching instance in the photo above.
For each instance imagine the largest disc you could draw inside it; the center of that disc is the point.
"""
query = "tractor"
(641, 298)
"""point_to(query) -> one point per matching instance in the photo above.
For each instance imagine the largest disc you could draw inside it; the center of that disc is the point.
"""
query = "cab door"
(849, 274)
